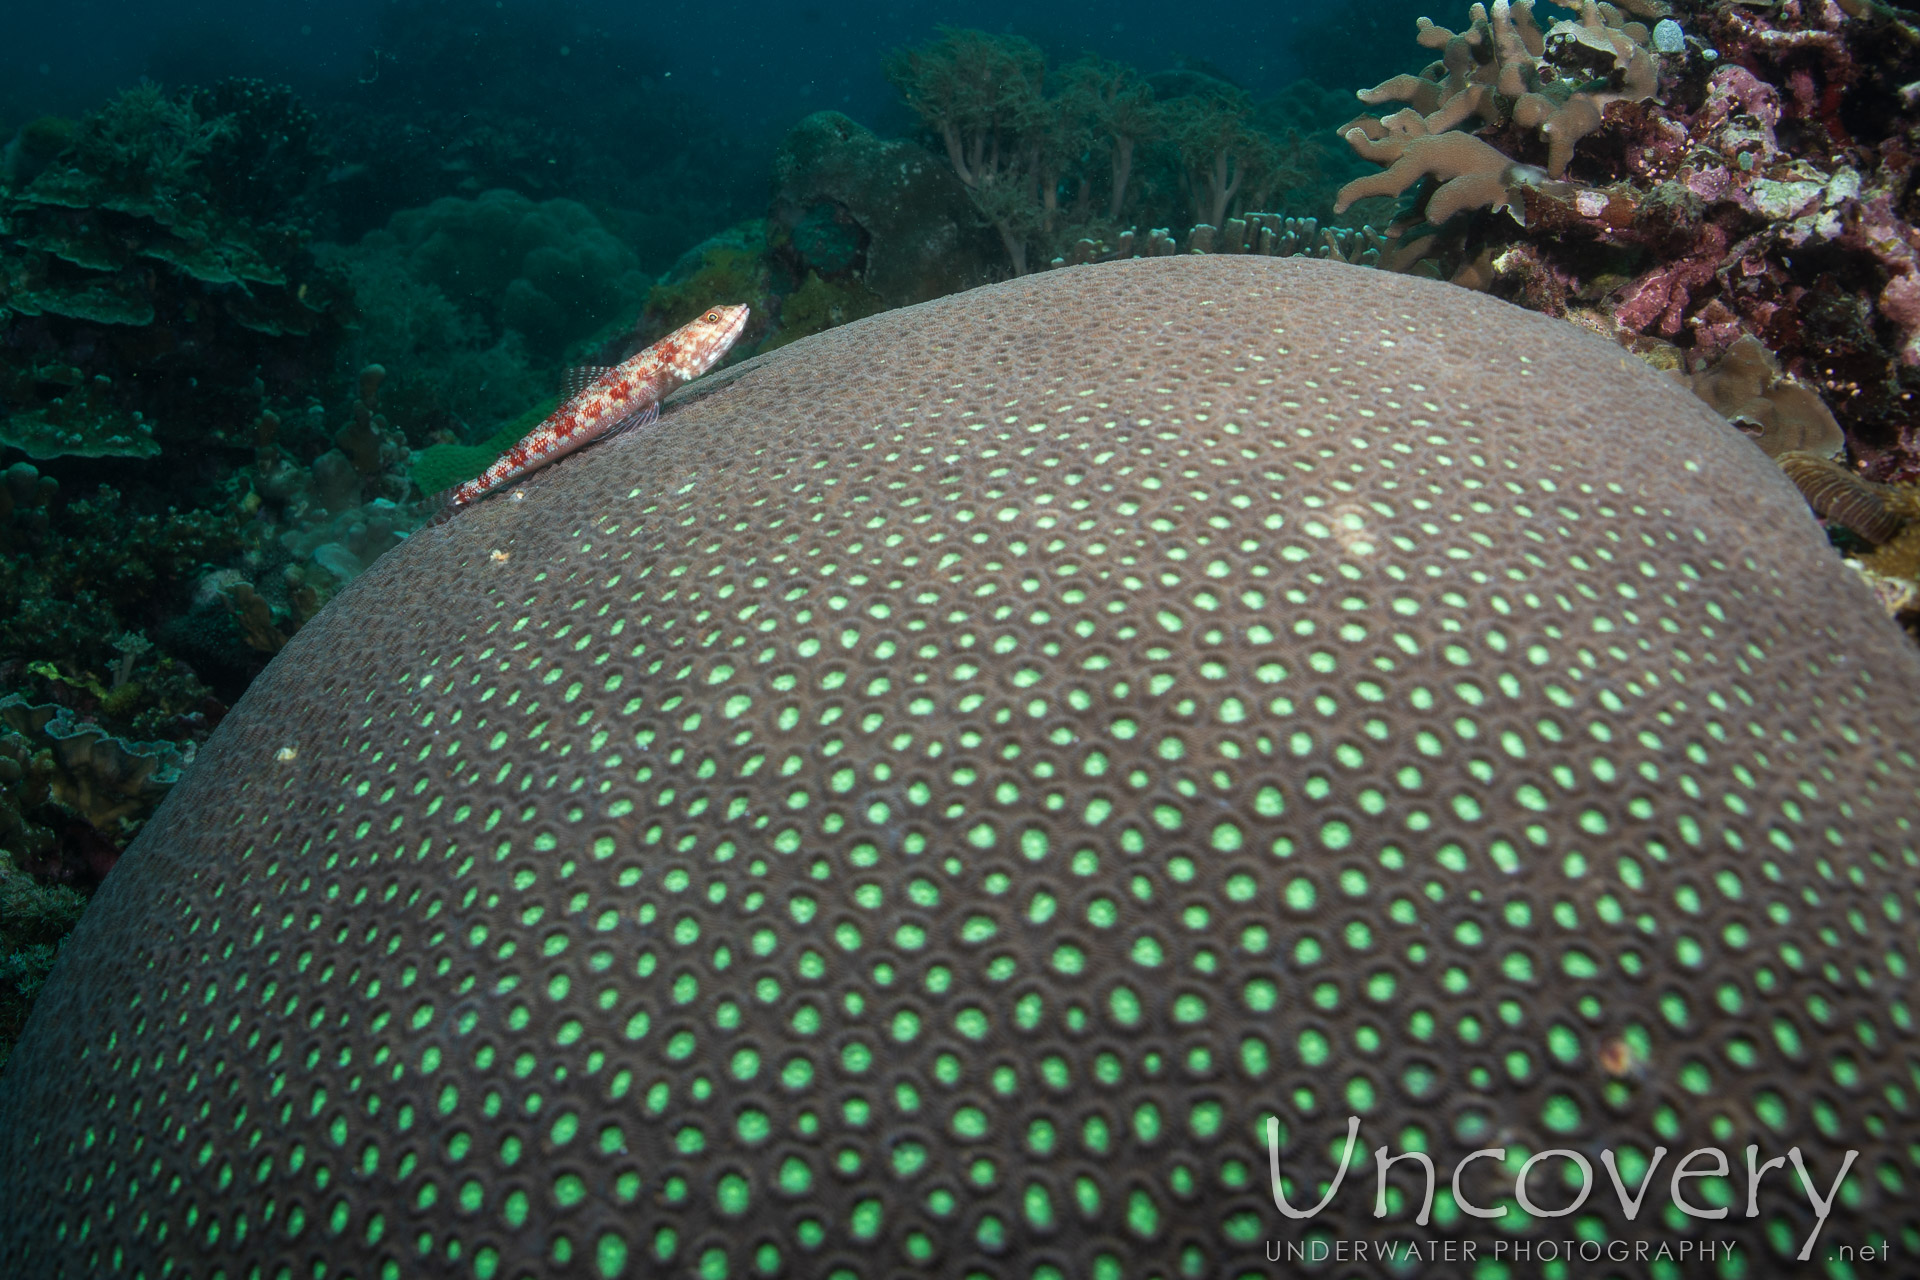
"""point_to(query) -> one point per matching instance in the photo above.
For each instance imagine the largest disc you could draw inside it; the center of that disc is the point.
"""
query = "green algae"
(440, 467)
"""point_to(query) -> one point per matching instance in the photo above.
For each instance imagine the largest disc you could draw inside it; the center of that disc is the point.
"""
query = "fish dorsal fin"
(580, 377)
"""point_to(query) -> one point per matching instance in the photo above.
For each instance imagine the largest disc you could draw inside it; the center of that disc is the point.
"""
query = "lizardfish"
(604, 402)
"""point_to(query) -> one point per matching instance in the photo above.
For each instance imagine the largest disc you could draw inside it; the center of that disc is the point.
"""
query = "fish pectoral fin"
(580, 377)
(640, 418)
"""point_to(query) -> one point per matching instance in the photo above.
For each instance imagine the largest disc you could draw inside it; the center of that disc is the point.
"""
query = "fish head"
(700, 344)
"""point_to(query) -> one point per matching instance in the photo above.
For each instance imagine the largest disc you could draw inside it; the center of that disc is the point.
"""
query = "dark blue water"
(754, 65)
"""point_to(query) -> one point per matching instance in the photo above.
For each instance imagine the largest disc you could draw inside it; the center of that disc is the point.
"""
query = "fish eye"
(712, 316)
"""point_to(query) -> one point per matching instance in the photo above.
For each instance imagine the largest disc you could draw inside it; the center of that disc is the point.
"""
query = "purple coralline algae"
(1679, 181)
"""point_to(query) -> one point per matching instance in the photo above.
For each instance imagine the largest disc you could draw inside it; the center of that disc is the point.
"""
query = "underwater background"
(272, 277)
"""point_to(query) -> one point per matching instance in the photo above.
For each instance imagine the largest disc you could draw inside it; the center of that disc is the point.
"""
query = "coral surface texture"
(935, 797)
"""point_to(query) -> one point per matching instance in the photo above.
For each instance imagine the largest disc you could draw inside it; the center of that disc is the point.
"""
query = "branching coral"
(1033, 149)
(1470, 173)
(1275, 236)
(1502, 68)
(983, 96)
(1745, 175)
(1225, 159)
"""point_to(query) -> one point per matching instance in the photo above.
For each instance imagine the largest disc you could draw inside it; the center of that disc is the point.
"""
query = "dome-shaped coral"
(928, 803)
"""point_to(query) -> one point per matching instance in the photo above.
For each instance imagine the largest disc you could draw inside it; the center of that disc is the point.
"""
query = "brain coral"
(922, 807)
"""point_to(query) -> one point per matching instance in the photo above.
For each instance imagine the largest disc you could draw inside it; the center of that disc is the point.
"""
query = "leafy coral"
(163, 295)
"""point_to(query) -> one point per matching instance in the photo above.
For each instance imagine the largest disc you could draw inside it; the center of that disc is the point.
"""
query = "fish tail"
(448, 503)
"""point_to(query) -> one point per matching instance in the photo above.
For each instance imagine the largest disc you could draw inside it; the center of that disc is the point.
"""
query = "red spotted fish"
(605, 402)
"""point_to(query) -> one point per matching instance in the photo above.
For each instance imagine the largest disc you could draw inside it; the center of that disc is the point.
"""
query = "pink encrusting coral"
(1730, 171)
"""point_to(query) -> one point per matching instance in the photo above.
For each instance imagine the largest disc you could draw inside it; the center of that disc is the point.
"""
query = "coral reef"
(818, 305)
(983, 97)
(1169, 724)
(211, 420)
(32, 148)
(72, 795)
(442, 466)
(1053, 157)
(734, 265)
(84, 422)
(1275, 235)
(545, 269)
(1885, 516)
(1727, 172)
(323, 523)
(210, 423)
(450, 372)
(25, 496)
(35, 917)
(471, 305)
(91, 569)
(94, 776)
(917, 233)
(151, 285)
(1227, 162)
(1745, 386)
